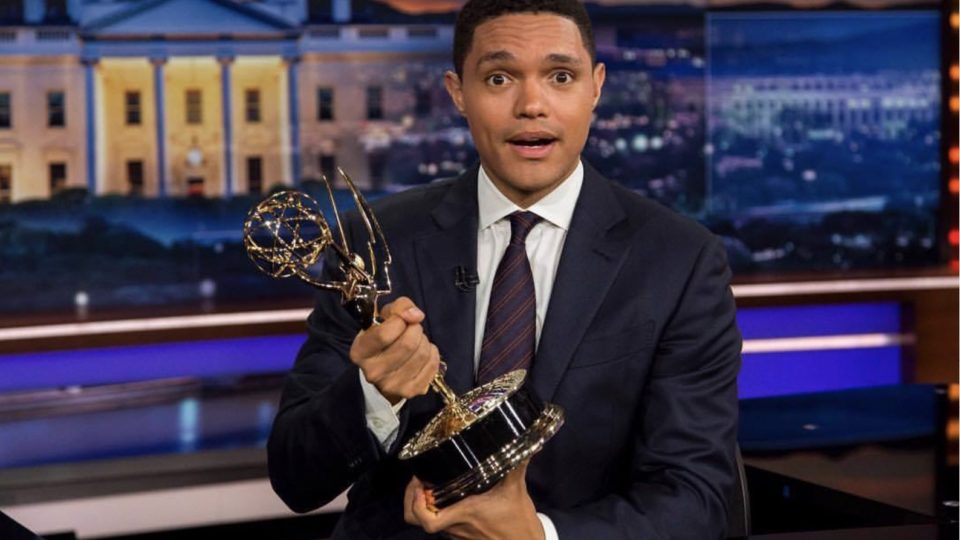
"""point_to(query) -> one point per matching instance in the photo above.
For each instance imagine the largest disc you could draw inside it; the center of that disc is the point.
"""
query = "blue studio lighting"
(763, 373)
(112, 365)
(808, 369)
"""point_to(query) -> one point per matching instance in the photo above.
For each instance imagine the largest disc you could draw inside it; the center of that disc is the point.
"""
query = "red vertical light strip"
(951, 66)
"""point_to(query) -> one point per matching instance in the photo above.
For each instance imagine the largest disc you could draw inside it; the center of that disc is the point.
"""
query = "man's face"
(528, 91)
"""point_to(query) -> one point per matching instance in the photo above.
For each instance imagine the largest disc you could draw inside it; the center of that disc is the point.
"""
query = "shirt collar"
(557, 207)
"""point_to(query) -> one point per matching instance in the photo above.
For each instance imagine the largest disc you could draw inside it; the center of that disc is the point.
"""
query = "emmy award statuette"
(477, 438)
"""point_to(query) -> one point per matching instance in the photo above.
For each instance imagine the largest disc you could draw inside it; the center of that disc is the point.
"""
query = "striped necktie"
(510, 333)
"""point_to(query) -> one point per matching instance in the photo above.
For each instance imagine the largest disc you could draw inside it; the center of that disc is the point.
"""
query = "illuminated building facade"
(882, 104)
(199, 97)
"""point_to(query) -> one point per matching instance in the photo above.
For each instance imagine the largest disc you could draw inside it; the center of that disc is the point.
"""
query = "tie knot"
(520, 225)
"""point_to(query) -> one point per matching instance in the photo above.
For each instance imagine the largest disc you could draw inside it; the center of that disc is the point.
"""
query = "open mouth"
(532, 145)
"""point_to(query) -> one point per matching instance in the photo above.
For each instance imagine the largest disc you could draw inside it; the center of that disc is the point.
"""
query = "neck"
(523, 198)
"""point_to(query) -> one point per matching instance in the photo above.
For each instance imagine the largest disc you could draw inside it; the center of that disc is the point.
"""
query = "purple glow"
(762, 374)
(823, 320)
(110, 365)
(775, 374)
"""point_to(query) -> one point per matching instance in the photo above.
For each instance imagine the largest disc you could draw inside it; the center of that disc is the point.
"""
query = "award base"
(510, 425)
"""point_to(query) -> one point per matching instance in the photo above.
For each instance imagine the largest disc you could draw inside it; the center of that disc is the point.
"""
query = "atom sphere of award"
(477, 438)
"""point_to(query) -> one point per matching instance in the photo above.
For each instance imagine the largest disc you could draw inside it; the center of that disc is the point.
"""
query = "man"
(626, 305)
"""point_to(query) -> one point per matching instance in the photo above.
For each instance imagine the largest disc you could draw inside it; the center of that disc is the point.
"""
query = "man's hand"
(396, 356)
(505, 512)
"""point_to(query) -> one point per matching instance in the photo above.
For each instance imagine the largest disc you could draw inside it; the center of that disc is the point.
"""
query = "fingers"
(396, 316)
(419, 509)
(411, 376)
(404, 308)
(427, 517)
(422, 513)
(505, 511)
(420, 385)
(408, 501)
(396, 356)
(370, 342)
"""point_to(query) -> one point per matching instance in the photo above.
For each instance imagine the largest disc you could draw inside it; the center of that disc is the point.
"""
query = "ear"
(455, 88)
(599, 75)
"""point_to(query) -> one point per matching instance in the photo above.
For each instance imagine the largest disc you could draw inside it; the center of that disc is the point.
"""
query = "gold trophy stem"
(461, 414)
(440, 386)
(458, 415)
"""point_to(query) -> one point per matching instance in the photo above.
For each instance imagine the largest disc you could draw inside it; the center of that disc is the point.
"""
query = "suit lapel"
(590, 261)
(451, 311)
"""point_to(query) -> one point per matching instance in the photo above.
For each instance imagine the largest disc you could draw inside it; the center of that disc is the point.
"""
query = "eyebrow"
(506, 56)
(557, 58)
(495, 56)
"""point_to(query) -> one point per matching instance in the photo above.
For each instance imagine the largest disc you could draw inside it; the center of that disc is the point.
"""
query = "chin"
(540, 176)
(532, 186)
(529, 176)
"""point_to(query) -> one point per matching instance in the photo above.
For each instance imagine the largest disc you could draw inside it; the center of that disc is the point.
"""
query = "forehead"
(532, 36)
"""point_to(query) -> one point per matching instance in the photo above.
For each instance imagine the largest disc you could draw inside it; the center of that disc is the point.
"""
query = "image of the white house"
(208, 97)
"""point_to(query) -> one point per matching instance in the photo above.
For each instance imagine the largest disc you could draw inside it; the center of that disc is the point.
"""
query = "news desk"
(11, 530)
(854, 461)
(856, 464)
(903, 532)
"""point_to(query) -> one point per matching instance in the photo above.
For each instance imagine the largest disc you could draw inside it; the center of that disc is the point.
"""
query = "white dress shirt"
(544, 246)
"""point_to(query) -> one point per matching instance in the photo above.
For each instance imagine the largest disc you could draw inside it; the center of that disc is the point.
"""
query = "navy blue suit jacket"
(639, 346)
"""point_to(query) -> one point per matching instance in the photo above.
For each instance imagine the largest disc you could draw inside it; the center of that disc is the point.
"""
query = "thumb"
(412, 315)
(518, 477)
(404, 308)
(511, 485)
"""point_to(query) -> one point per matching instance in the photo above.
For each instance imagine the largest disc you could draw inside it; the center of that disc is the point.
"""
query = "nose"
(531, 101)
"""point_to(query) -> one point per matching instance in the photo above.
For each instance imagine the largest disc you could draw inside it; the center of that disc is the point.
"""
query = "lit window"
(6, 113)
(131, 102)
(135, 177)
(194, 99)
(58, 177)
(325, 103)
(56, 116)
(255, 174)
(6, 182)
(251, 102)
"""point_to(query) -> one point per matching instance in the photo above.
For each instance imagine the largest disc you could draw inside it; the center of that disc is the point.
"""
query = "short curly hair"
(476, 12)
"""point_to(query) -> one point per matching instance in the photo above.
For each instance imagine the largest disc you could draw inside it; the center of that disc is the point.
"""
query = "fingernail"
(414, 312)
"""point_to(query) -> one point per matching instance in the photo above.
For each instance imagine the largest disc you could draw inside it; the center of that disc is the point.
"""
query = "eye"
(563, 77)
(497, 79)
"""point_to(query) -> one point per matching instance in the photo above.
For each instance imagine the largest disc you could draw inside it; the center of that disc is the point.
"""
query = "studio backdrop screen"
(809, 140)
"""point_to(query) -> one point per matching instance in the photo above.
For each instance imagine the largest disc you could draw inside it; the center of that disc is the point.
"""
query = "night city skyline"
(446, 6)
(784, 132)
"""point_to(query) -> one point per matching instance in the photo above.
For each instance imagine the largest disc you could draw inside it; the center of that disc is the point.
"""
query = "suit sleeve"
(320, 444)
(682, 464)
